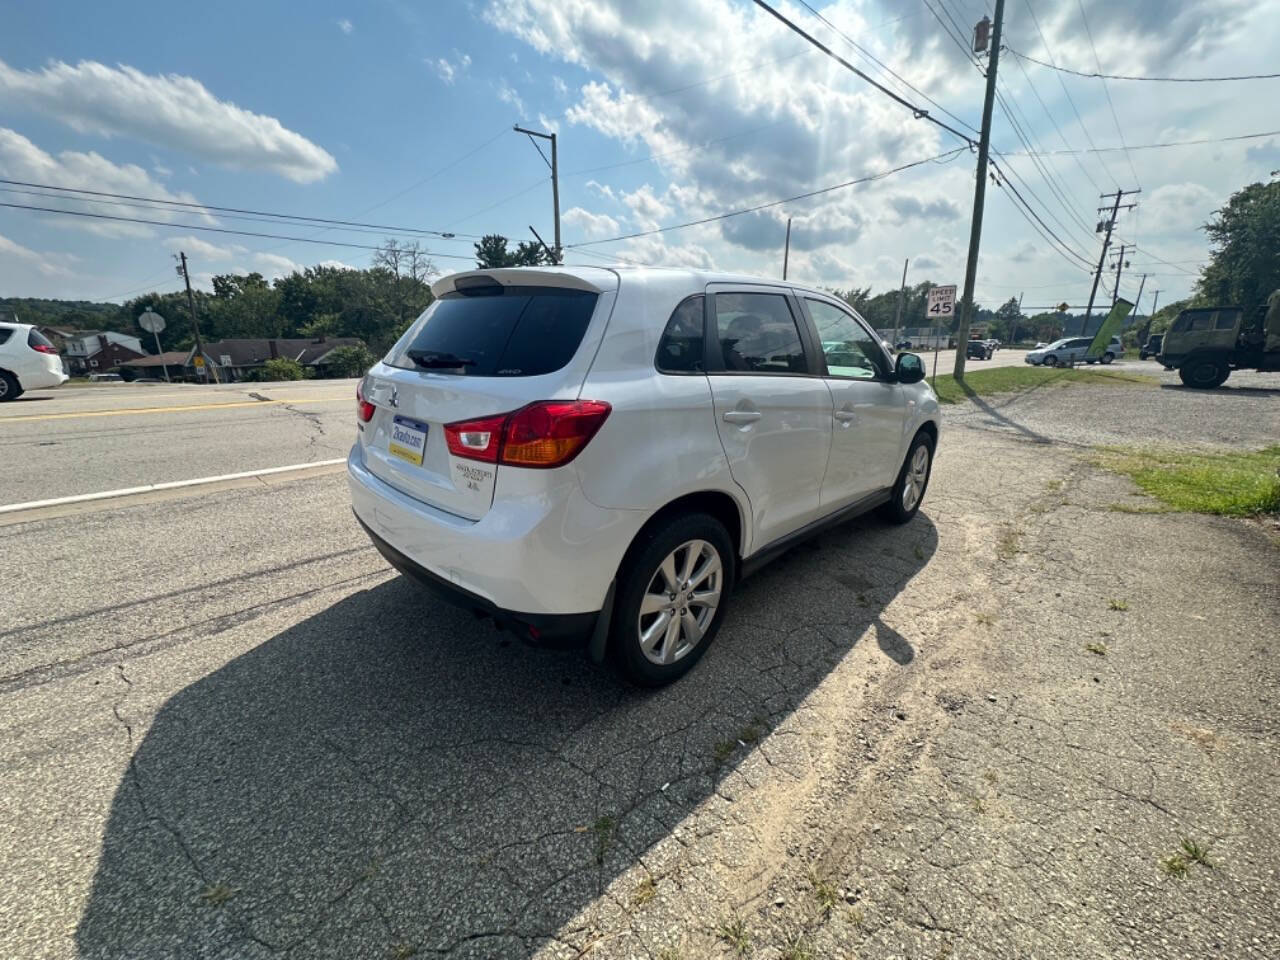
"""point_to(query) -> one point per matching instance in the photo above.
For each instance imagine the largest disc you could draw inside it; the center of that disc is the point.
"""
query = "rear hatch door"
(490, 344)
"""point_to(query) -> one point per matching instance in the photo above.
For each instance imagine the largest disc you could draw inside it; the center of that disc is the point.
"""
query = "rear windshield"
(499, 332)
(5, 333)
(37, 339)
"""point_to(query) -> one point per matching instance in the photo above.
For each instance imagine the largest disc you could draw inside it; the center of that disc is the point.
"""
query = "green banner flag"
(1110, 327)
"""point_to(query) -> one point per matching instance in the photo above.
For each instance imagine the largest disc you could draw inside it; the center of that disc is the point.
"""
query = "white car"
(28, 361)
(1072, 350)
(600, 454)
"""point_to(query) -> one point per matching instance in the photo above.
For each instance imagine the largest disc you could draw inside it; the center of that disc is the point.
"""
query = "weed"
(723, 751)
(1137, 508)
(644, 892)
(1229, 484)
(1114, 604)
(1054, 485)
(945, 951)
(218, 894)
(796, 947)
(827, 895)
(1175, 865)
(986, 619)
(670, 953)
(403, 951)
(1095, 647)
(1196, 852)
(604, 829)
(753, 731)
(862, 600)
(918, 551)
(734, 932)
(857, 919)
(979, 805)
(989, 776)
(1007, 544)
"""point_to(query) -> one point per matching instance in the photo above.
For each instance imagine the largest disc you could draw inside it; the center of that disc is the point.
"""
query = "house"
(98, 351)
(171, 365)
(236, 359)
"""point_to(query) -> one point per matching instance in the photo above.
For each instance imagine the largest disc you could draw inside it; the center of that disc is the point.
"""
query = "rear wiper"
(434, 360)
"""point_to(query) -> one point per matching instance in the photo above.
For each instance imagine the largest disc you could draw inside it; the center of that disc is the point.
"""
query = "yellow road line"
(129, 411)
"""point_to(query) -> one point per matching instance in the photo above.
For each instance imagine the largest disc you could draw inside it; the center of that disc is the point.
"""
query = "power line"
(957, 40)
(208, 229)
(1121, 76)
(1061, 136)
(772, 203)
(919, 113)
(198, 207)
(1047, 231)
(1158, 146)
(1107, 91)
(1074, 109)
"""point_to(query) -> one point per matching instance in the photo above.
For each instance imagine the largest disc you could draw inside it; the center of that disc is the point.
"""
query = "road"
(228, 730)
(77, 440)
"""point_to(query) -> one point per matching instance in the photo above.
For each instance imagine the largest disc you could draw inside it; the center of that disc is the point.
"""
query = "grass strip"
(1225, 484)
(985, 383)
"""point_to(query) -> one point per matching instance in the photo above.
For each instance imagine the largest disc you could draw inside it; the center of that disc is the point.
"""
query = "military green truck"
(1205, 344)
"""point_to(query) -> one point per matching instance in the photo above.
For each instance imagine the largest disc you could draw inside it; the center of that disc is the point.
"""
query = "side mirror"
(909, 368)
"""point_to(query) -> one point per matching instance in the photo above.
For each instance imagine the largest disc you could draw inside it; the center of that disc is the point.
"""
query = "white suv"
(600, 454)
(28, 361)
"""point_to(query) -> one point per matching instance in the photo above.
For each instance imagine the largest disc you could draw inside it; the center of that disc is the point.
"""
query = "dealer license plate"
(408, 440)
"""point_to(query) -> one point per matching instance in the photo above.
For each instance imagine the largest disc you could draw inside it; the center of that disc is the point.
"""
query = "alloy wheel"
(680, 602)
(917, 476)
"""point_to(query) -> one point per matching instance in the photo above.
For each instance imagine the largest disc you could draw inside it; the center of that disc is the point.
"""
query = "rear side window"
(5, 334)
(1226, 320)
(758, 334)
(680, 350)
(37, 339)
(500, 332)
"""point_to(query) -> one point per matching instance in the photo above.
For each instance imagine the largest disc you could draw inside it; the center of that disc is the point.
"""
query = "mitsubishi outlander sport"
(600, 454)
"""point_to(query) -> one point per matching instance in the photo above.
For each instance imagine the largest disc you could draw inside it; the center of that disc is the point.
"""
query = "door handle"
(846, 415)
(742, 416)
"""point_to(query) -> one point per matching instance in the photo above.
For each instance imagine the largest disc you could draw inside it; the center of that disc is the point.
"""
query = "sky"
(399, 114)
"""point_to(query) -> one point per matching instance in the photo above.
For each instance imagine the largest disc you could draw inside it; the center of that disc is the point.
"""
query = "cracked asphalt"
(227, 730)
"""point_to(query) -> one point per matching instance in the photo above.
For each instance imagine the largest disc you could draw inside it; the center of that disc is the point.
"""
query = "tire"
(1204, 373)
(1049, 361)
(1108, 357)
(667, 658)
(10, 389)
(901, 508)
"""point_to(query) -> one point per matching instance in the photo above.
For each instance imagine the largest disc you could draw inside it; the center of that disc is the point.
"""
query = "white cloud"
(592, 224)
(274, 265)
(560, 87)
(346, 26)
(507, 94)
(20, 159)
(197, 248)
(172, 111)
(549, 124)
(48, 264)
(647, 209)
(603, 189)
(449, 70)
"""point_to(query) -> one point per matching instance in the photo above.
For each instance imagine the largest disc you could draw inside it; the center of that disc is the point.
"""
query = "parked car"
(1073, 350)
(1205, 344)
(1152, 347)
(105, 378)
(977, 350)
(904, 345)
(599, 455)
(993, 346)
(28, 361)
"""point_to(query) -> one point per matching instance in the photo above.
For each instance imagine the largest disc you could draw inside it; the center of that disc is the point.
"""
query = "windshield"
(498, 332)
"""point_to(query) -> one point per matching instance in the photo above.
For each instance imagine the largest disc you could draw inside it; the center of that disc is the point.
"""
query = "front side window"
(497, 331)
(850, 350)
(680, 350)
(758, 334)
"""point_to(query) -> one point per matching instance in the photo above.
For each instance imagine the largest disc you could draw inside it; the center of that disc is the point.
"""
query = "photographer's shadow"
(393, 771)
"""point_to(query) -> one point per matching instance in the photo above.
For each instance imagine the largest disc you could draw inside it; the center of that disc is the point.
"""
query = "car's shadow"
(393, 771)
(1226, 390)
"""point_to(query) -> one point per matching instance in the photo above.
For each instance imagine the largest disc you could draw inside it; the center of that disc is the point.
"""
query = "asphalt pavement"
(228, 730)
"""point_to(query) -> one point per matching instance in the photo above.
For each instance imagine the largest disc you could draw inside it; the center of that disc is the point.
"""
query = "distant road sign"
(151, 322)
(941, 303)
(197, 361)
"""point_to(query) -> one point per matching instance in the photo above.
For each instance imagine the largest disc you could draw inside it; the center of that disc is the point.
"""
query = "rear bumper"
(41, 379)
(552, 629)
(541, 551)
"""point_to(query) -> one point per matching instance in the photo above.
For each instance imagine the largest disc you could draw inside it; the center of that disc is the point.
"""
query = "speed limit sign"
(941, 303)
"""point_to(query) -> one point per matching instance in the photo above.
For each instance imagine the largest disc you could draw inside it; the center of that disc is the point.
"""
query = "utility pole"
(1106, 226)
(979, 189)
(786, 250)
(191, 305)
(1138, 299)
(554, 164)
(1119, 265)
(897, 314)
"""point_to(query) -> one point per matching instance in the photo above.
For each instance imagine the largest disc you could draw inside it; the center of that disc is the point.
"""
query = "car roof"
(602, 279)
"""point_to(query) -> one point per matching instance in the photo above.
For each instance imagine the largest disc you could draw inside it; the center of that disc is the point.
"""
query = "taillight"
(43, 348)
(476, 439)
(545, 434)
(364, 409)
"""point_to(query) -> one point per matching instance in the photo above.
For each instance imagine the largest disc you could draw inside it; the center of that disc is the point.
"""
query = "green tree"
(1244, 265)
(349, 361)
(282, 368)
(492, 252)
(1009, 320)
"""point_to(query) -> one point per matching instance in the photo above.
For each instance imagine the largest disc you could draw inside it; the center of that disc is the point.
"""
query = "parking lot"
(230, 731)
